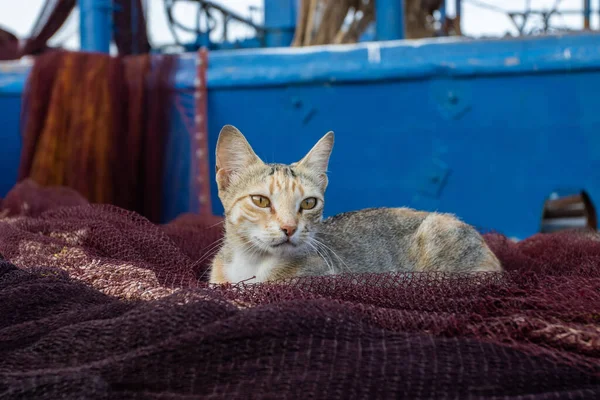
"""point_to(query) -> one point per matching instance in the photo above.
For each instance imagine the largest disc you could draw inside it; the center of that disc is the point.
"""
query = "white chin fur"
(278, 247)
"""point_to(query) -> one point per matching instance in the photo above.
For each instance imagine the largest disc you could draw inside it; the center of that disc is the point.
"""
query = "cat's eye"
(308, 203)
(261, 201)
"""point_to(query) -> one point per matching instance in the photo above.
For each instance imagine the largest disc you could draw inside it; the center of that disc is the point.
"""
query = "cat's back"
(371, 226)
(393, 239)
(400, 220)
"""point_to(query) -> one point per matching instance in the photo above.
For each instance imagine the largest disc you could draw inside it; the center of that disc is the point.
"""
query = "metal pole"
(280, 22)
(443, 18)
(389, 19)
(586, 13)
(95, 25)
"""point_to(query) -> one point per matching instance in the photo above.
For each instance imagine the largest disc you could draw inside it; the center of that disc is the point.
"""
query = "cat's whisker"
(208, 250)
(328, 263)
(327, 250)
(333, 252)
(218, 223)
(249, 248)
(247, 245)
(322, 257)
(206, 270)
(203, 274)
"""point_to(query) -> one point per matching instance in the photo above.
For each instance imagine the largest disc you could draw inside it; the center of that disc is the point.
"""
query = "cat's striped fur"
(274, 230)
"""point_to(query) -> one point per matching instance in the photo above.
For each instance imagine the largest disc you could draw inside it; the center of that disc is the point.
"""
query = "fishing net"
(9, 45)
(98, 124)
(99, 303)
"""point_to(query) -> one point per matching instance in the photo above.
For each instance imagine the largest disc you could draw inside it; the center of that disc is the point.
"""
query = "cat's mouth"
(284, 243)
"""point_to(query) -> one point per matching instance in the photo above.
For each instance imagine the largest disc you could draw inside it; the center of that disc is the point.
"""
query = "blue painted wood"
(404, 60)
(12, 79)
(177, 196)
(498, 161)
(483, 129)
(10, 149)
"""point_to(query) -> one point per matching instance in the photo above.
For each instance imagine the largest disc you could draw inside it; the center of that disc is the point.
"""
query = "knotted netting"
(97, 302)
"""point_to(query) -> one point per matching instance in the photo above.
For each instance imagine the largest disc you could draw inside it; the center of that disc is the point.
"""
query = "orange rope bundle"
(86, 122)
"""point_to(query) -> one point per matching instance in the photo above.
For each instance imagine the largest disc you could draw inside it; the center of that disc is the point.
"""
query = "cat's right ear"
(233, 156)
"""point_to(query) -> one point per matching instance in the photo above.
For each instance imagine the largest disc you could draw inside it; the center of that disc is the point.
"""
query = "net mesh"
(98, 124)
(9, 45)
(98, 302)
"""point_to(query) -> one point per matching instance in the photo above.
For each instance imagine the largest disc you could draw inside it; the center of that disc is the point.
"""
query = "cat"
(274, 227)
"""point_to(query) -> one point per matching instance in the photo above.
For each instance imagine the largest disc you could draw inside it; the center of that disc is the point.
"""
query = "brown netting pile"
(98, 303)
(98, 124)
(9, 45)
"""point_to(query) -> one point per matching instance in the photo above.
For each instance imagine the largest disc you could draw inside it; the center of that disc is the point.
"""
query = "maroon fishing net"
(99, 125)
(9, 45)
(97, 302)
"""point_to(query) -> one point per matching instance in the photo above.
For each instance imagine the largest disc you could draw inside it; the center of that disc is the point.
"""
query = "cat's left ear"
(317, 158)
(234, 155)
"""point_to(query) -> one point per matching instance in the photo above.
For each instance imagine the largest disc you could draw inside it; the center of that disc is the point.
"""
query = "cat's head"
(271, 208)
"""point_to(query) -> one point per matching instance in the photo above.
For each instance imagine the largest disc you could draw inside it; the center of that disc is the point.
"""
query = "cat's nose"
(289, 230)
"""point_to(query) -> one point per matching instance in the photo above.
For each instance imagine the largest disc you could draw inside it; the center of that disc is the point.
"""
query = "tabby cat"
(274, 228)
